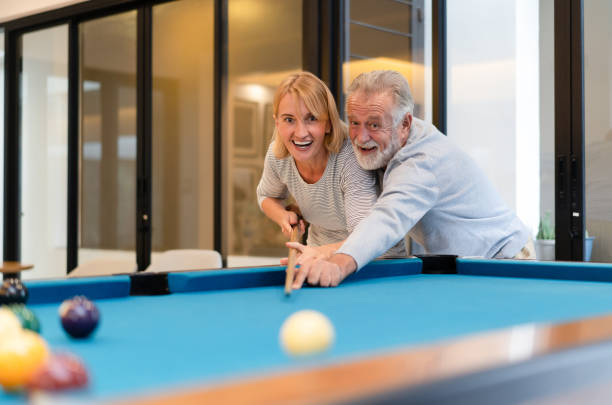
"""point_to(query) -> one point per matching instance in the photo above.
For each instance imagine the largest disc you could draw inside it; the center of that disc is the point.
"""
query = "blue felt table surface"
(154, 343)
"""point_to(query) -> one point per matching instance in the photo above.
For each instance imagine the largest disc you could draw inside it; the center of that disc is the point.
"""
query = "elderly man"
(431, 190)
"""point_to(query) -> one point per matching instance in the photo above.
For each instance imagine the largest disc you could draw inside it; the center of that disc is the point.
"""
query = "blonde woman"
(311, 159)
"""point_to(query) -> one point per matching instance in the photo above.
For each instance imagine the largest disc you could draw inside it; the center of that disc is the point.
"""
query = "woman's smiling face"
(301, 132)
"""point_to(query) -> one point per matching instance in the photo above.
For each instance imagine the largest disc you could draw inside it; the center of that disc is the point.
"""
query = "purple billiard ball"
(79, 316)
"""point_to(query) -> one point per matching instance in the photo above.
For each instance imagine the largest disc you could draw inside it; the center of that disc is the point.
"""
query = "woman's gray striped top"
(333, 205)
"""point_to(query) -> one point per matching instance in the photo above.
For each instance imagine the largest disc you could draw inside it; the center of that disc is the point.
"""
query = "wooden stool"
(14, 269)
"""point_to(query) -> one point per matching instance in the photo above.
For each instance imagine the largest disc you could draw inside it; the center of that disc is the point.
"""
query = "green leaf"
(546, 230)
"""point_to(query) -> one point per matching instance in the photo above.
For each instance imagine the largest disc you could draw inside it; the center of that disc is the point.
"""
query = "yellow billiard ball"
(306, 332)
(20, 357)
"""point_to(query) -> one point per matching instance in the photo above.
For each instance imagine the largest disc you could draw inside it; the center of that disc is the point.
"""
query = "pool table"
(407, 330)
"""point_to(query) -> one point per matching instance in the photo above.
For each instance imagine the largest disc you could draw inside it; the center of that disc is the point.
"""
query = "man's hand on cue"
(321, 272)
(307, 254)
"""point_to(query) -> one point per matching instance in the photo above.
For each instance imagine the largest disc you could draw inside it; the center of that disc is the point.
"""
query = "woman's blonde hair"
(319, 101)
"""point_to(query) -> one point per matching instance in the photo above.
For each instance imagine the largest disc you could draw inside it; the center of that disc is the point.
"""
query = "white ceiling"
(13, 9)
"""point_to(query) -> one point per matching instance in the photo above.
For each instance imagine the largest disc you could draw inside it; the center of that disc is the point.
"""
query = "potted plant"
(545, 239)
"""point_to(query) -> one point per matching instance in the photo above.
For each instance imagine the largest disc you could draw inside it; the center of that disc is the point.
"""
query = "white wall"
(482, 84)
(12, 9)
(493, 95)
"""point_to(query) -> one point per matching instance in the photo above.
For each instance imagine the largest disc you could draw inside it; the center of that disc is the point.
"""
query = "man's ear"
(404, 129)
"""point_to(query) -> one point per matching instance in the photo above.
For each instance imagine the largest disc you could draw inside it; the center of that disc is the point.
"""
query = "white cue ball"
(306, 332)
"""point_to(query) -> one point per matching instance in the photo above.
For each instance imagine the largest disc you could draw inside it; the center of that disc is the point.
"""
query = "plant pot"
(545, 249)
(588, 248)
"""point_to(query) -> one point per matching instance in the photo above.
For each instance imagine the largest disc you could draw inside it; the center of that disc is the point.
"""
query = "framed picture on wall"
(244, 181)
(246, 137)
(268, 127)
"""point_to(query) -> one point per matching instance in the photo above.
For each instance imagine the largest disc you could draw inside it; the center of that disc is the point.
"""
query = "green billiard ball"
(26, 316)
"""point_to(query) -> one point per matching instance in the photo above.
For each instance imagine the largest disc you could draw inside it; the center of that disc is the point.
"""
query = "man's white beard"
(381, 157)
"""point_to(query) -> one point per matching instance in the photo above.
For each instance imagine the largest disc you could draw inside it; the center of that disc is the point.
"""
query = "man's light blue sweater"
(435, 193)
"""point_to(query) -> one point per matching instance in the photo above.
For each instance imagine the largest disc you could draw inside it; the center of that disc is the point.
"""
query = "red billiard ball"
(60, 372)
(79, 316)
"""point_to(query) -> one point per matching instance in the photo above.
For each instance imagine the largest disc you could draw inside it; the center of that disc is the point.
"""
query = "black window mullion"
(12, 147)
(569, 131)
(577, 223)
(72, 243)
(339, 29)
(311, 37)
(323, 28)
(221, 217)
(439, 64)
(144, 137)
(323, 42)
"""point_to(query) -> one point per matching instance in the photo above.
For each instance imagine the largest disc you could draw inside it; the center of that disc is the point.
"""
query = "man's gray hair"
(386, 81)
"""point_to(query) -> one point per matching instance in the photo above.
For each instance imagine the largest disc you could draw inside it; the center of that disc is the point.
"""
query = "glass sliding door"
(264, 46)
(598, 130)
(501, 101)
(43, 127)
(183, 153)
(108, 138)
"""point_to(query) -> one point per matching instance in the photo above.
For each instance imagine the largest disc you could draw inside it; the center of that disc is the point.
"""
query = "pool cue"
(290, 273)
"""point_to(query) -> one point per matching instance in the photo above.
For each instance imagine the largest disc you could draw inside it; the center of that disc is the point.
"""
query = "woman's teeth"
(307, 143)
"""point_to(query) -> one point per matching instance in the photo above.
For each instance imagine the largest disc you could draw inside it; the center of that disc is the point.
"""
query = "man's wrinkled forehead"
(361, 103)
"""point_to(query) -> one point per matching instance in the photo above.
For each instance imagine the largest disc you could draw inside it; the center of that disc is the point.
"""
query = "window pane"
(389, 14)
(108, 137)
(183, 155)
(260, 55)
(598, 128)
(369, 42)
(394, 35)
(44, 129)
(501, 98)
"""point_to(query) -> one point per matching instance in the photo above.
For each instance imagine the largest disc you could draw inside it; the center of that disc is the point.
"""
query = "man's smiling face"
(370, 120)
